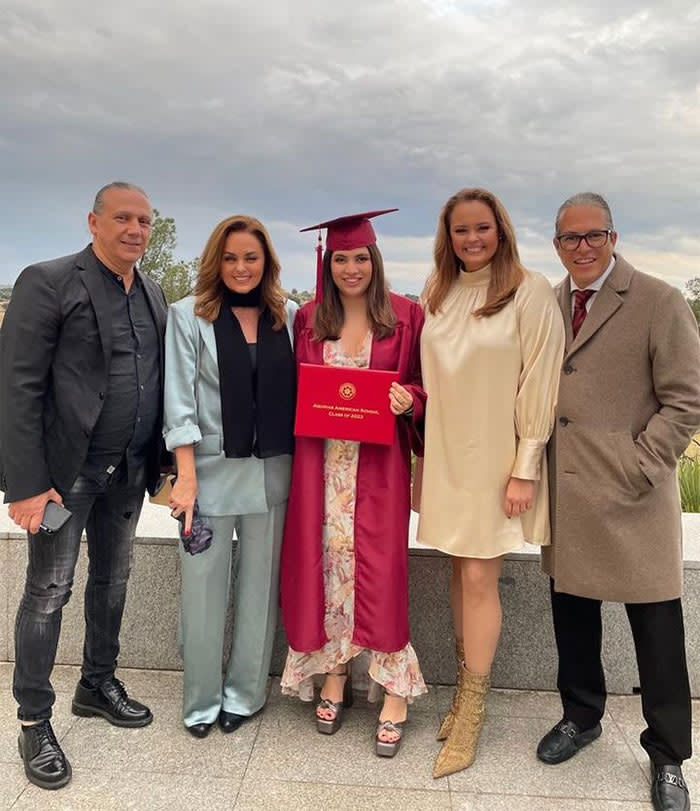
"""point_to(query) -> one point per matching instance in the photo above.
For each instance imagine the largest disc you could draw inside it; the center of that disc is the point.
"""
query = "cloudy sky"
(304, 110)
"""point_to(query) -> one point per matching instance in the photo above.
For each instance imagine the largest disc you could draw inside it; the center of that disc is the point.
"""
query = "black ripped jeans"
(109, 514)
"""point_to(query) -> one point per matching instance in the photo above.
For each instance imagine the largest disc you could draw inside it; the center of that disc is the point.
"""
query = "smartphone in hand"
(54, 517)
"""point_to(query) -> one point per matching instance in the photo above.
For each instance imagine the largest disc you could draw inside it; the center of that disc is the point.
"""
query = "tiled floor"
(278, 761)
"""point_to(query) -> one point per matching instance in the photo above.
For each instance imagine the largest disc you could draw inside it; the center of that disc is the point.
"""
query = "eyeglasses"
(594, 239)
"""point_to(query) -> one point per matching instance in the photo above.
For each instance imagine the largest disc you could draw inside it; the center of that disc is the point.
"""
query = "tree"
(300, 296)
(175, 277)
(159, 254)
(692, 292)
(178, 280)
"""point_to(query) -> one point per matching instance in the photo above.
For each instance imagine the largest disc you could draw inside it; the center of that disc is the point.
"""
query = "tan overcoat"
(629, 403)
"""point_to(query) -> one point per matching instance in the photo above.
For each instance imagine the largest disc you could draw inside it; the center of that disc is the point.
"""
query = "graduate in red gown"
(344, 577)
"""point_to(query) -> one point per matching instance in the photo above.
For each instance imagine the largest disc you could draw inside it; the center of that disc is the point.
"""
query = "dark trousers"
(109, 514)
(659, 642)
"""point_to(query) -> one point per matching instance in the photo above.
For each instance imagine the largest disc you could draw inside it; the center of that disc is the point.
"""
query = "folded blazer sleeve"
(180, 422)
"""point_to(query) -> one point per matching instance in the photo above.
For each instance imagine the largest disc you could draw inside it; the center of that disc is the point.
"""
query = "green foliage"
(300, 296)
(689, 484)
(178, 280)
(176, 277)
(692, 292)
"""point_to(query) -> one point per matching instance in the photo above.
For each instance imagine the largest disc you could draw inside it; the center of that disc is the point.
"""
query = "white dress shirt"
(596, 285)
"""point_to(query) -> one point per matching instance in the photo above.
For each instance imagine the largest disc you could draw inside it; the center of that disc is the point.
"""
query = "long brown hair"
(330, 315)
(507, 271)
(208, 287)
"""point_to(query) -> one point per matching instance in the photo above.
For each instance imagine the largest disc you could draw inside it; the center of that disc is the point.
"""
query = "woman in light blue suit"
(229, 418)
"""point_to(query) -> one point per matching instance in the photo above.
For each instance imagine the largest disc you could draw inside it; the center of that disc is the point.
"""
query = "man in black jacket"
(81, 371)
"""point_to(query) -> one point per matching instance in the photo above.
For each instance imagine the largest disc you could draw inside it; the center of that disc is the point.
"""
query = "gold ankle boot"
(459, 750)
(448, 720)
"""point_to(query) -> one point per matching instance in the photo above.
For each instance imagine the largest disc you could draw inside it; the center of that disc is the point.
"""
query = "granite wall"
(526, 657)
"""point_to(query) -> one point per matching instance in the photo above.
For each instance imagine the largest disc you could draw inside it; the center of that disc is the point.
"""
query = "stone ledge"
(526, 657)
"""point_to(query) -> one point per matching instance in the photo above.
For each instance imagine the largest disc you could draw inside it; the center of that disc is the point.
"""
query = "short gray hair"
(98, 205)
(586, 198)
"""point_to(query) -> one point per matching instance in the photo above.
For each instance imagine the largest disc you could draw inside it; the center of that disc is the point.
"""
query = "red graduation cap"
(344, 234)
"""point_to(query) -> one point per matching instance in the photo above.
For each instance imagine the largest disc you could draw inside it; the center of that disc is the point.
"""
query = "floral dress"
(398, 672)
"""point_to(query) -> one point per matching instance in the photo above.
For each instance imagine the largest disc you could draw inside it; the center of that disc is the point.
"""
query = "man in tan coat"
(629, 402)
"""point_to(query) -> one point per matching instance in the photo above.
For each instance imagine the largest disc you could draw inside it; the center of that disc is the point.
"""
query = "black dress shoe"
(44, 762)
(199, 730)
(111, 701)
(230, 721)
(669, 791)
(564, 740)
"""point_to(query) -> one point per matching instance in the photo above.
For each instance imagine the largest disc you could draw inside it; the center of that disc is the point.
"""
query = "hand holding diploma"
(341, 402)
(400, 399)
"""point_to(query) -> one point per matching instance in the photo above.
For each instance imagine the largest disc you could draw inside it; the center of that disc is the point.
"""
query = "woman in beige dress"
(491, 350)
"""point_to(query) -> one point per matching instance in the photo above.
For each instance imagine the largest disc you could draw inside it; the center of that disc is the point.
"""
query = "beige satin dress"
(492, 387)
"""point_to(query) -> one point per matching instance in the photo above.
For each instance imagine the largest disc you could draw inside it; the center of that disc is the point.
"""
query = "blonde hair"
(208, 287)
(507, 271)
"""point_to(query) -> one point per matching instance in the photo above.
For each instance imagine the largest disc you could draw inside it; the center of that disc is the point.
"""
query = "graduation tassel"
(318, 298)
(344, 234)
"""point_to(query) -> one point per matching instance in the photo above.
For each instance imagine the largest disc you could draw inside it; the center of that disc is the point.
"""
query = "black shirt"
(131, 405)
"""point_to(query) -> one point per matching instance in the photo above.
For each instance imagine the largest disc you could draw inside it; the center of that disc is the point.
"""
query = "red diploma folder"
(340, 402)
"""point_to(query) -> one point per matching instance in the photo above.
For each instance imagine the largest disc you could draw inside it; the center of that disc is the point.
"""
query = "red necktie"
(580, 312)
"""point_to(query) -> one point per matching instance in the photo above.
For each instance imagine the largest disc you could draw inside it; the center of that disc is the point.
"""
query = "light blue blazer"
(192, 415)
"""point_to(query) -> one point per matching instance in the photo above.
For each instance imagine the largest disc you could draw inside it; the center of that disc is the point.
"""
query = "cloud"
(297, 112)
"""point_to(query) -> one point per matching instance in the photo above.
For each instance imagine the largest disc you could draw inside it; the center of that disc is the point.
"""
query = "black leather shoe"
(44, 762)
(669, 791)
(564, 740)
(199, 730)
(111, 701)
(230, 721)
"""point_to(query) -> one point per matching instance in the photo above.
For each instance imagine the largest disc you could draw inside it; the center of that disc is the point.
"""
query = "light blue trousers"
(206, 584)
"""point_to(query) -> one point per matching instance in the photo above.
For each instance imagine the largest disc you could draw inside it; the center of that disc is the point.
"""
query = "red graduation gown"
(382, 506)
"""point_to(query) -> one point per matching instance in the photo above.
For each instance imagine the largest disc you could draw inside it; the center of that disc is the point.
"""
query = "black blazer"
(55, 351)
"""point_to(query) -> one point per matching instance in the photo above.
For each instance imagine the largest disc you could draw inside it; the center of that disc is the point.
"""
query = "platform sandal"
(388, 748)
(329, 726)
